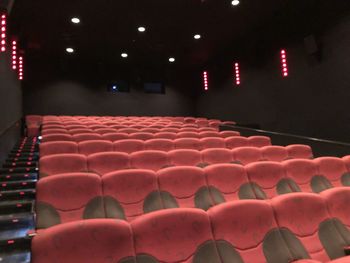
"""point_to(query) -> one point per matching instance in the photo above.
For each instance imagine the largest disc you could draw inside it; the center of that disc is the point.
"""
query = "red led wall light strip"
(3, 24)
(205, 79)
(20, 68)
(14, 54)
(237, 74)
(284, 63)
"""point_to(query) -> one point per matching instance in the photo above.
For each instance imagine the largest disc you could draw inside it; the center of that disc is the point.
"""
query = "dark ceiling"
(109, 27)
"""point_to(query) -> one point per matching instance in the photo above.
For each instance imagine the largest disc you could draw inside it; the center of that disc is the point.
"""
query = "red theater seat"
(259, 141)
(247, 155)
(188, 143)
(90, 147)
(266, 179)
(91, 241)
(105, 130)
(305, 217)
(236, 141)
(57, 137)
(159, 145)
(248, 232)
(129, 146)
(68, 197)
(216, 155)
(102, 163)
(305, 174)
(209, 134)
(128, 130)
(227, 182)
(59, 147)
(274, 153)
(187, 135)
(130, 193)
(141, 136)
(54, 131)
(62, 163)
(169, 129)
(80, 131)
(185, 157)
(165, 135)
(226, 134)
(184, 187)
(332, 170)
(151, 160)
(87, 137)
(212, 142)
(190, 129)
(150, 130)
(300, 151)
(116, 136)
(175, 235)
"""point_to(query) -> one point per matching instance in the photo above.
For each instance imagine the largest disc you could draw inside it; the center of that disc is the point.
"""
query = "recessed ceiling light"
(171, 60)
(235, 2)
(141, 29)
(124, 55)
(69, 50)
(197, 36)
(75, 20)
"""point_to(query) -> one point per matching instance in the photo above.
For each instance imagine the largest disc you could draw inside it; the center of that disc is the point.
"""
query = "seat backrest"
(106, 162)
(57, 137)
(300, 151)
(266, 179)
(333, 170)
(216, 155)
(210, 134)
(247, 231)
(165, 145)
(165, 135)
(62, 163)
(129, 194)
(188, 143)
(90, 241)
(259, 141)
(90, 147)
(247, 155)
(305, 217)
(54, 131)
(180, 235)
(213, 142)
(185, 157)
(227, 182)
(80, 131)
(185, 187)
(141, 136)
(58, 147)
(305, 174)
(236, 141)
(274, 153)
(226, 134)
(129, 146)
(151, 160)
(128, 130)
(150, 130)
(116, 136)
(105, 130)
(68, 197)
(87, 137)
(187, 135)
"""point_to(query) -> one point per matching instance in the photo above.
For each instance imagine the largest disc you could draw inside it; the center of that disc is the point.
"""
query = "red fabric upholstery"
(300, 151)
(90, 147)
(87, 137)
(59, 147)
(141, 136)
(301, 171)
(91, 241)
(259, 141)
(302, 214)
(274, 153)
(213, 142)
(80, 131)
(209, 134)
(158, 233)
(185, 157)
(227, 178)
(188, 143)
(54, 131)
(332, 168)
(115, 136)
(129, 146)
(236, 141)
(266, 175)
(130, 188)
(102, 163)
(165, 135)
(57, 137)
(226, 134)
(105, 130)
(128, 130)
(182, 183)
(216, 155)
(151, 160)
(62, 163)
(165, 145)
(246, 155)
(187, 135)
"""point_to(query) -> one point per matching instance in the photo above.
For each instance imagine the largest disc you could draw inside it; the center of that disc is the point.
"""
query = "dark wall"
(10, 105)
(313, 101)
(66, 89)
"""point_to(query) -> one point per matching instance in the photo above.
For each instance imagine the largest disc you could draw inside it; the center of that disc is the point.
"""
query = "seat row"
(243, 155)
(104, 162)
(120, 125)
(300, 228)
(127, 194)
